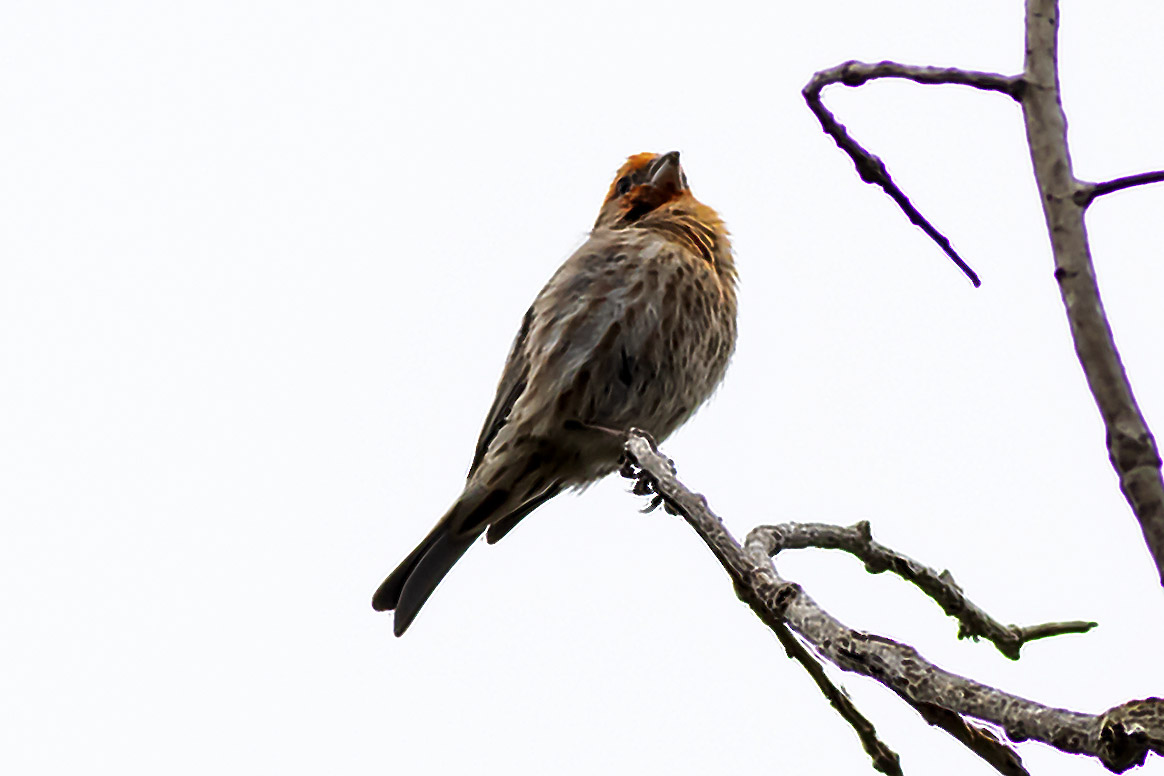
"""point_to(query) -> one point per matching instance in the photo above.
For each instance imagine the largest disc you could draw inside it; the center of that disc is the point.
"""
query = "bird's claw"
(645, 435)
(653, 504)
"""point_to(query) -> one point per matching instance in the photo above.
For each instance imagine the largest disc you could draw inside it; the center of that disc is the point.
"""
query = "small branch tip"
(869, 167)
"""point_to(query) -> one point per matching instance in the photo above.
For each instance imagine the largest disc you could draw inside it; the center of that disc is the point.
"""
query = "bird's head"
(650, 191)
(642, 185)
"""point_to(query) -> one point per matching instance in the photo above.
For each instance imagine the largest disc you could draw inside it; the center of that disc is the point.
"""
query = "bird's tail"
(409, 586)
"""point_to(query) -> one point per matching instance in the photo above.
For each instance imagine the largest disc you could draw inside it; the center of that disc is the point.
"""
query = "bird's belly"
(643, 384)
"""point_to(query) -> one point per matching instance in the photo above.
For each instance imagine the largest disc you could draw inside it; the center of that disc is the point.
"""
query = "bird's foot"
(646, 435)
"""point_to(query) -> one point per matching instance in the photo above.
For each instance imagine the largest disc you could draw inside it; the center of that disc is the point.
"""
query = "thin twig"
(1119, 738)
(857, 540)
(854, 73)
(1131, 447)
(978, 740)
(870, 167)
(884, 759)
(1086, 195)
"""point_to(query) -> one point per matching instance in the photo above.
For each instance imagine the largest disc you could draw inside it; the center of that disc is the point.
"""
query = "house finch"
(634, 330)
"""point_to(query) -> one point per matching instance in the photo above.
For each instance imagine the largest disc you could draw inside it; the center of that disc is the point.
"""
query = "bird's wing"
(513, 382)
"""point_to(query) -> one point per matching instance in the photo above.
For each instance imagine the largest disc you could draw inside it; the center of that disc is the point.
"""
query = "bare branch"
(854, 73)
(857, 540)
(978, 740)
(871, 168)
(1120, 738)
(884, 759)
(1086, 195)
(1131, 447)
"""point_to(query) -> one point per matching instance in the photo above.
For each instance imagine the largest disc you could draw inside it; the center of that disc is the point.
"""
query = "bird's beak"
(666, 173)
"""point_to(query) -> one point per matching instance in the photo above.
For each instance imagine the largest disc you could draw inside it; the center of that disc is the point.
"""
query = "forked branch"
(1120, 737)
(871, 168)
(857, 540)
(1130, 444)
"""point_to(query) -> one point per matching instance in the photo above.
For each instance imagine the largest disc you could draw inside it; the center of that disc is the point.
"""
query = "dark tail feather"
(506, 524)
(387, 596)
(409, 586)
(413, 581)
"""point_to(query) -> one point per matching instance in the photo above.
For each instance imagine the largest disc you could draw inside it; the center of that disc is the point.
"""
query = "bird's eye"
(623, 185)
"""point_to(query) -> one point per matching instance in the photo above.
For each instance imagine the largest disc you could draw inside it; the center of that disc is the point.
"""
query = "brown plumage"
(634, 330)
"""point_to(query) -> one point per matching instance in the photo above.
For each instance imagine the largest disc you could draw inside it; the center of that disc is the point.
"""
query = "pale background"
(262, 263)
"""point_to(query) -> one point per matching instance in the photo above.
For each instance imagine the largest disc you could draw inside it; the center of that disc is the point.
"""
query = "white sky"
(262, 263)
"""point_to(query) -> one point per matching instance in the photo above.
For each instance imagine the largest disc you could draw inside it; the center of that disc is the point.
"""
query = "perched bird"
(634, 330)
